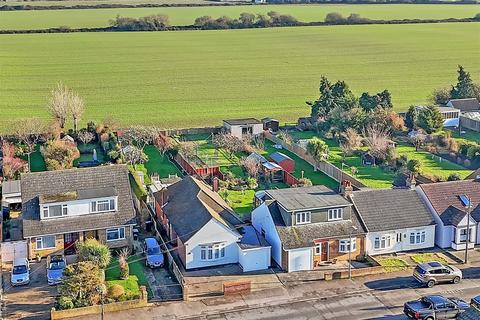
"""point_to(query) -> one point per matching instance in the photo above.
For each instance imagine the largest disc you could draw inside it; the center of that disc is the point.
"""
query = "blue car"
(154, 255)
(475, 303)
(55, 266)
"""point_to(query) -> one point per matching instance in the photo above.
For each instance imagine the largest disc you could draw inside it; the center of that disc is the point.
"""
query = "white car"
(20, 272)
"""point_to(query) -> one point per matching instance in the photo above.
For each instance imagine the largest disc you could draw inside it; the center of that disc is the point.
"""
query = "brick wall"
(127, 242)
(32, 247)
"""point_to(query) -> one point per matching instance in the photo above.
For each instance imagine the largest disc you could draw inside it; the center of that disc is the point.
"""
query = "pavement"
(375, 297)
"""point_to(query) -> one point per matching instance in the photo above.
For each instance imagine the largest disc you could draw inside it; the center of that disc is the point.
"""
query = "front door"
(325, 251)
(69, 240)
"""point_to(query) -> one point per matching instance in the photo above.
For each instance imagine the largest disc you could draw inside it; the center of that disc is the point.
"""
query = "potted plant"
(38, 257)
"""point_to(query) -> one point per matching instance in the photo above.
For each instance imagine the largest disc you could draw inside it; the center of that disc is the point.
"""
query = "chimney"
(215, 184)
(411, 183)
(347, 189)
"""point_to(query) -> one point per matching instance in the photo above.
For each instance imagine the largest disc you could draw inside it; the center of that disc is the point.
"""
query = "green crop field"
(69, 3)
(34, 19)
(198, 78)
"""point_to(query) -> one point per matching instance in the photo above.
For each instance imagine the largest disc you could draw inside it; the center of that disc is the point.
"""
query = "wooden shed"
(270, 124)
(284, 161)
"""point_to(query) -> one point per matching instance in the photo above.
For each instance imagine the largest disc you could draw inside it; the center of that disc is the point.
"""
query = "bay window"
(212, 252)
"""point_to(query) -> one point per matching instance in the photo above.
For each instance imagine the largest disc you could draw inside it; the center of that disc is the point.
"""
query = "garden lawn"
(427, 257)
(136, 267)
(393, 264)
(37, 163)
(468, 136)
(158, 163)
(130, 285)
(433, 165)
(75, 18)
(86, 153)
(241, 201)
(275, 70)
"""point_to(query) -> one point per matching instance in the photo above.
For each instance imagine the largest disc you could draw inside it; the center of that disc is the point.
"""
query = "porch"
(334, 253)
(460, 237)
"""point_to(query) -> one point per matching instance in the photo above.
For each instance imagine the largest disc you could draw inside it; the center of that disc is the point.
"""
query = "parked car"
(55, 266)
(153, 252)
(432, 273)
(20, 272)
(434, 307)
(475, 303)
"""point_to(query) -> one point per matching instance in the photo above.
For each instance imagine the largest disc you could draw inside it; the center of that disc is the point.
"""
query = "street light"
(352, 229)
(468, 207)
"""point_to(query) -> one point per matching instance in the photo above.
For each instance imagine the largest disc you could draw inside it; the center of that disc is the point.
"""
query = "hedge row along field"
(93, 18)
(198, 78)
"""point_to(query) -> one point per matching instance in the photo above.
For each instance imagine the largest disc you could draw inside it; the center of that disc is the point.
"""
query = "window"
(399, 237)
(54, 211)
(463, 235)
(102, 205)
(115, 234)
(335, 214)
(317, 250)
(212, 252)
(382, 242)
(417, 237)
(302, 217)
(344, 245)
(45, 242)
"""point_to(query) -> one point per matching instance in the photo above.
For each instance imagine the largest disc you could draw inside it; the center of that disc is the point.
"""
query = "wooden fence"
(325, 167)
(289, 179)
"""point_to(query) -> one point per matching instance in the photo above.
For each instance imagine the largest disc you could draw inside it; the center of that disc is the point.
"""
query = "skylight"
(465, 200)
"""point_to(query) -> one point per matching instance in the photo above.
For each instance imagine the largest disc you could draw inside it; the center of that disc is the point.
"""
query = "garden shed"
(242, 128)
(272, 171)
(270, 124)
(284, 161)
(368, 159)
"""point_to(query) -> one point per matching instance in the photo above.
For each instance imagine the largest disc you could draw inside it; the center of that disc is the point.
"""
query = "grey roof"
(244, 121)
(303, 236)
(391, 209)
(12, 186)
(271, 166)
(279, 157)
(465, 105)
(73, 180)
(314, 197)
(258, 157)
(447, 109)
(192, 204)
(251, 238)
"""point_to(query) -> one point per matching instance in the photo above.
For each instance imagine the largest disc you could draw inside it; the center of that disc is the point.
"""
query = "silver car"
(434, 272)
(20, 272)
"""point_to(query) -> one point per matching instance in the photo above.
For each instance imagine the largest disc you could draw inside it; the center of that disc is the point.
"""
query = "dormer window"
(302, 217)
(102, 205)
(335, 214)
(54, 211)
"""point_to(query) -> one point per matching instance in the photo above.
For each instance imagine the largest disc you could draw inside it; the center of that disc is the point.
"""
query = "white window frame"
(46, 211)
(111, 230)
(317, 249)
(303, 217)
(41, 241)
(344, 245)
(212, 252)
(384, 242)
(335, 214)
(463, 238)
(418, 237)
(94, 205)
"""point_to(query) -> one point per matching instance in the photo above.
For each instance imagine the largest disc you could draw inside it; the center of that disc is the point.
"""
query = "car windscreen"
(153, 250)
(420, 270)
(19, 270)
(57, 265)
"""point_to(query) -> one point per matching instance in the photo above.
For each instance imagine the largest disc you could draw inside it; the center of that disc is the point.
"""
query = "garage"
(254, 252)
(299, 259)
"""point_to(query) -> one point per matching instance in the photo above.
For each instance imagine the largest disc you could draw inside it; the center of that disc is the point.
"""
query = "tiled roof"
(465, 105)
(444, 198)
(391, 209)
(191, 204)
(73, 180)
(314, 197)
(302, 236)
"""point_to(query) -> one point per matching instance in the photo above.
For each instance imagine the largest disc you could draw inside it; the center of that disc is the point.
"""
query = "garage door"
(299, 259)
(13, 250)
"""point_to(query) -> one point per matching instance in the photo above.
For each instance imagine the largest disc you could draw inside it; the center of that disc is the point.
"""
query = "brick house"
(64, 206)
(308, 227)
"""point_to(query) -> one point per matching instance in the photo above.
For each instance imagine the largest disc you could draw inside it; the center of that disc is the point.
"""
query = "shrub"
(467, 163)
(431, 149)
(123, 263)
(454, 177)
(252, 183)
(115, 291)
(94, 251)
(473, 152)
(335, 18)
(59, 154)
(305, 182)
(65, 303)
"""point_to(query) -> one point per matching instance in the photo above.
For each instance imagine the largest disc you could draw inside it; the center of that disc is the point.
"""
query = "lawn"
(198, 78)
(86, 153)
(136, 267)
(76, 18)
(130, 285)
(37, 163)
(433, 165)
(158, 163)
(427, 257)
(393, 264)
(468, 136)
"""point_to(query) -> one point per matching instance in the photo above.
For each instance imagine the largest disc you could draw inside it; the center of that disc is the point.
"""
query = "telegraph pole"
(469, 207)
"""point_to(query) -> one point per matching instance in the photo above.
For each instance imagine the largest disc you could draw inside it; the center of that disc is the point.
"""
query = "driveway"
(33, 301)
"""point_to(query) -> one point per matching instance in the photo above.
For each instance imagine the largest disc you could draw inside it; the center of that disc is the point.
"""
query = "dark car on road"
(434, 307)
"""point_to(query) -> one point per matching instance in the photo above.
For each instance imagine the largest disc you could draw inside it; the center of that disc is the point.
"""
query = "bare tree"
(251, 165)
(76, 107)
(134, 155)
(85, 136)
(187, 149)
(378, 141)
(228, 142)
(58, 104)
(285, 136)
(418, 140)
(29, 131)
(163, 143)
(351, 141)
(139, 136)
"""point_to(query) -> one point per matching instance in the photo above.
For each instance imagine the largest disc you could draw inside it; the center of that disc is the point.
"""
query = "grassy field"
(197, 78)
(68, 3)
(76, 18)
